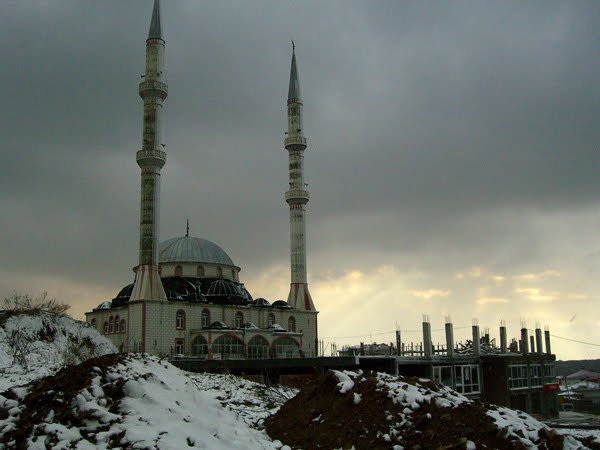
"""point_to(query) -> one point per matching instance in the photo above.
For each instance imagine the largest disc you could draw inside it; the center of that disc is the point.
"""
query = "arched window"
(200, 271)
(239, 320)
(117, 321)
(271, 320)
(233, 274)
(205, 318)
(258, 348)
(228, 347)
(111, 325)
(219, 272)
(180, 320)
(123, 326)
(292, 325)
(200, 347)
(93, 322)
(105, 327)
(285, 347)
(178, 271)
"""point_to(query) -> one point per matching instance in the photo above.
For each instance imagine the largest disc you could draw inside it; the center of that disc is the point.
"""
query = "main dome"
(193, 250)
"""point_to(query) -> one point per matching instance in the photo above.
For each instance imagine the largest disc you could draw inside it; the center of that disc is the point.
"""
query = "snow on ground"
(249, 401)
(580, 434)
(162, 408)
(33, 346)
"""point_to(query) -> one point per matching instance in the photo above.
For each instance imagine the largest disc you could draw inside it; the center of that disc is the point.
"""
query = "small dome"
(281, 304)
(261, 302)
(224, 288)
(218, 325)
(192, 250)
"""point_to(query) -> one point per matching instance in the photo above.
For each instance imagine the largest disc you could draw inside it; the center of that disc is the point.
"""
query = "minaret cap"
(294, 91)
(155, 28)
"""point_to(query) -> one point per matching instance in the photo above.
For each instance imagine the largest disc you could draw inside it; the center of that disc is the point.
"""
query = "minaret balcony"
(297, 196)
(149, 87)
(295, 140)
(151, 158)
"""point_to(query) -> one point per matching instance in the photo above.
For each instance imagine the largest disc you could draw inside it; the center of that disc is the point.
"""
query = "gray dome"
(193, 250)
(224, 288)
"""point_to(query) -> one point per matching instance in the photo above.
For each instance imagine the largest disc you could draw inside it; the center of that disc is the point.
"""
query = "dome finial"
(187, 227)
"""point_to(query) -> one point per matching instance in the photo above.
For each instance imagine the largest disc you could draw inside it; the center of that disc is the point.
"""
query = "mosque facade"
(187, 297)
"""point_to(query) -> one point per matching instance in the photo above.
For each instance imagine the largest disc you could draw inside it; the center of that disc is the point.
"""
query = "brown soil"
(320, 417)
(56, 393)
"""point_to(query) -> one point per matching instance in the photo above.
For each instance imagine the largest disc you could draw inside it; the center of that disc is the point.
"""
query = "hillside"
(38, 344)
(564, 368)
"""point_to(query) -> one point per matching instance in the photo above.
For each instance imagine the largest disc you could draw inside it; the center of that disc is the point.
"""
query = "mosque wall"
(204, 270)
(155, 327)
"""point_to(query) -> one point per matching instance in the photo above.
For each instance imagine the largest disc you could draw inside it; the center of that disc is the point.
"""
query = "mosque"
(187, 298)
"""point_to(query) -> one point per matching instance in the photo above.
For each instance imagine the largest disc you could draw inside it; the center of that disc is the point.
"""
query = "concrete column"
(547, 336)
(449, 339)
(531, 344)
(503, 341)
(476, 340)
(538, 340)
(427, 350)
(398, 343)
(524, 341)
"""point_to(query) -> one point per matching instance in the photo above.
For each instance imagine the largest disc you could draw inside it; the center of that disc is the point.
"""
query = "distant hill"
(567, 367)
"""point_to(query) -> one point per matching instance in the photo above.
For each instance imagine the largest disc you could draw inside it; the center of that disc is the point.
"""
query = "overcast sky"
(453, 158)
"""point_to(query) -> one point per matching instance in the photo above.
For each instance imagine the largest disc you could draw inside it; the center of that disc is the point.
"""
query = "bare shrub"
(21, 302)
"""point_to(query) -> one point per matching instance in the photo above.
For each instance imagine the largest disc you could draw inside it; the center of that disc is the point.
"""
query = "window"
(549, 376)
(179, 345)
(105, 327)
(286, 347)
(228, 347)
(467, 378)
(117, 322)
(443, 374)
(239, 320)
(200, 347)
(535, 374)
(180, 320)
(292, 325)
(111, 325)
(219, 272)
(258, 348)
(233, 274)
(178, 271)
(122, 325)
(271, 320)
(93, 323)
(200, 271)
(517, 377)
(205, 318)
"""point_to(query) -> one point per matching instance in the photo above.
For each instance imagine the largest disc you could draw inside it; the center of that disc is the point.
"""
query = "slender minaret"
(151, 158)
(297, 196)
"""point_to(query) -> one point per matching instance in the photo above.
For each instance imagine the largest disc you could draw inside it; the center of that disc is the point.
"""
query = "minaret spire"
(151, 158)
(155, 31)
(297, 196)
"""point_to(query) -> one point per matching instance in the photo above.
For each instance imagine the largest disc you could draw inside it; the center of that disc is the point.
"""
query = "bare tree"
(21, 302)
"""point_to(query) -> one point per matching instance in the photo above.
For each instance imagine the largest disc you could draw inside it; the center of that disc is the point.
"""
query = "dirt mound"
(54, 395)
(378, 411)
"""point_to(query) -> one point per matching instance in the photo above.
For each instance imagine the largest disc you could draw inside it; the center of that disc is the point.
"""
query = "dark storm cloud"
(434, 128)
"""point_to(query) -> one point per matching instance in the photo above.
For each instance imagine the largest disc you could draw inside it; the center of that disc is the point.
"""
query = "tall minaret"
(297, 196)
(151, 158)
